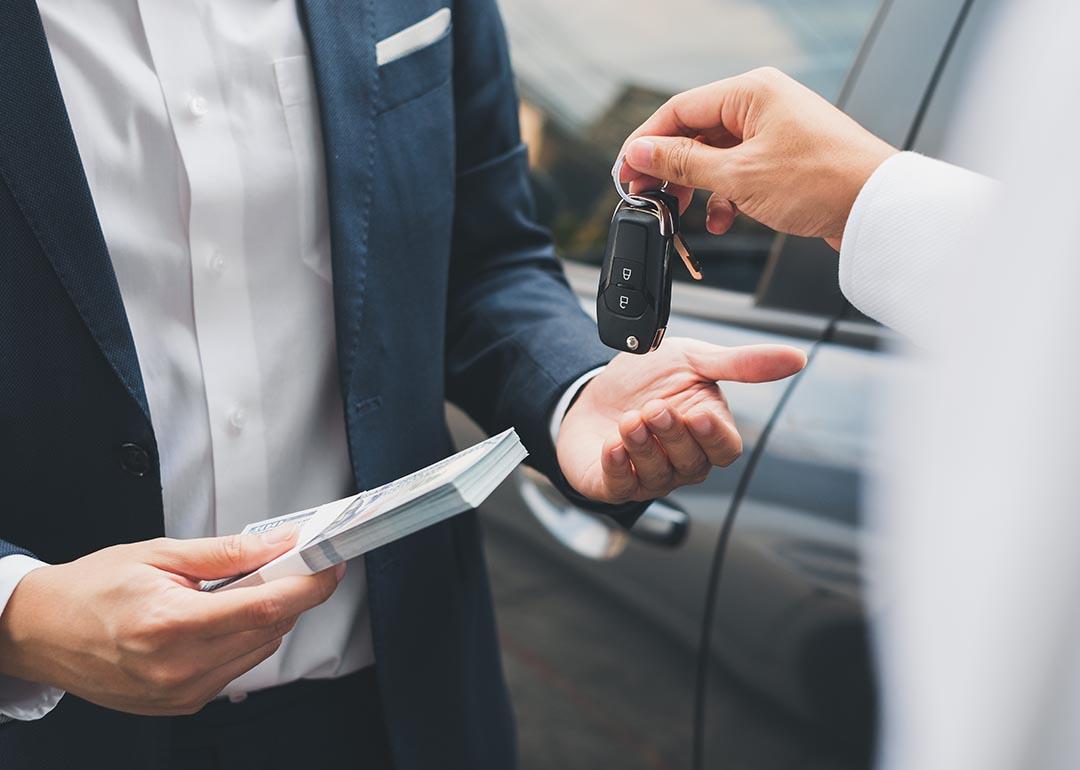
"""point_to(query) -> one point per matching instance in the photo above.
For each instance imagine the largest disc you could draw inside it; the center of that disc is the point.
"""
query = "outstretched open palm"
(649, 424)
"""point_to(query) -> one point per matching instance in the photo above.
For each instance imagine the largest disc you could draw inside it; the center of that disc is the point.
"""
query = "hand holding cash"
(344, 529)
(127, 628)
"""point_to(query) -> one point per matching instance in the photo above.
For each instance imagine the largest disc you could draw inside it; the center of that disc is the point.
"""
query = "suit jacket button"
(134, 459)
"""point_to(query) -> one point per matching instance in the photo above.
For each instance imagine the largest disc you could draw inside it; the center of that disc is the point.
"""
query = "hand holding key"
(764, 145)
(649, 424)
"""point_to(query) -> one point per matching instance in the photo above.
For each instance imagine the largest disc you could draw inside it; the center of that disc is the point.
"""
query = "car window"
(935, 130)
(590, 71)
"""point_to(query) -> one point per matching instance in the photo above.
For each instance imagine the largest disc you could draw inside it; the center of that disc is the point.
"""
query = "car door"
(600, 628)
(788, 680)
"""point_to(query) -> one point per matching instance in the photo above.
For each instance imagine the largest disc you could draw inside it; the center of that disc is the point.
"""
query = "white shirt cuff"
(563, 406)
(20, 699)
(906, 232)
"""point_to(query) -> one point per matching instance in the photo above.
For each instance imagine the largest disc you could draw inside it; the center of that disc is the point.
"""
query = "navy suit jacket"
(444, 289)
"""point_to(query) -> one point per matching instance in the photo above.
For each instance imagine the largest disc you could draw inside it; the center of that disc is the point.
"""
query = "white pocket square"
(413, 38)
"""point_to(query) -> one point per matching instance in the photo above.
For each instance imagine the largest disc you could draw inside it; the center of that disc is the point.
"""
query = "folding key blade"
(692, 265)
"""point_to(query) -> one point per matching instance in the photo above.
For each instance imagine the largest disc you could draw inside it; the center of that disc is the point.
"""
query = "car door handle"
(662, 524)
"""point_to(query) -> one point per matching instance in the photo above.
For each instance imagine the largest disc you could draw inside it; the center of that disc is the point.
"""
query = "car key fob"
(634, 297)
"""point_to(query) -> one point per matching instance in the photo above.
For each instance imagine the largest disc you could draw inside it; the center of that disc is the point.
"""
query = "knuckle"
(264, 612)
(157, 547)
(767, 77)
(166, 677)
(681, 159)
(675, 435)
(659, 481)
(154, 629)
(232, 549)
(192, 703)
(326, 585)
(696, 472)
(734, 455)
(283, 627)
(154, 544)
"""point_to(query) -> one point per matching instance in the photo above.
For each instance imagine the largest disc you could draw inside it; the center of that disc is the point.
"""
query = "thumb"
(682, 161)
(209, 558)
(747, 363)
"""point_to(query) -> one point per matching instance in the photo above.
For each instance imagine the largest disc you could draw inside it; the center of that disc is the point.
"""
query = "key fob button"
(631, 240)
(629, 275)
(628, 303)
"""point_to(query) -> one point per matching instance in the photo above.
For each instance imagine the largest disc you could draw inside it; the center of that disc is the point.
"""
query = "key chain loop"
(628, 199)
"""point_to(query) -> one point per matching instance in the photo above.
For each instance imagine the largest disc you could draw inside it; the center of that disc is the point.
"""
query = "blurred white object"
(977, 497)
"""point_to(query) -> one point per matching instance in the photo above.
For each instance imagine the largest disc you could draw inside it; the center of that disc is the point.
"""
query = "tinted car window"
(934, 133)
(590, 71)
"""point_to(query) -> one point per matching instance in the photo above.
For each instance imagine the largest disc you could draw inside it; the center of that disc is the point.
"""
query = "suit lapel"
(341, 35)
(39, 161)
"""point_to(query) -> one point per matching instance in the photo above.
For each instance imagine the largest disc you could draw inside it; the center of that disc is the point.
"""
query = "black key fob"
(634, 297)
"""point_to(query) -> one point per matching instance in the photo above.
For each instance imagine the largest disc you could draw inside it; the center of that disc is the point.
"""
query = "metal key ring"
(629, 199)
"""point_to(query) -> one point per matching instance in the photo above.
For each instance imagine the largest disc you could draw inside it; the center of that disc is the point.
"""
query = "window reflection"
(590, 71)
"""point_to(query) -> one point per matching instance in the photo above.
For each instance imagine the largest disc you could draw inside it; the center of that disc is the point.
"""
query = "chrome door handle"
(581, 532)
(589, 535)
(663, 523)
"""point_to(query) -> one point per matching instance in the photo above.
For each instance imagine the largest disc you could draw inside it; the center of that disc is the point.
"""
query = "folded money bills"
(341, 530)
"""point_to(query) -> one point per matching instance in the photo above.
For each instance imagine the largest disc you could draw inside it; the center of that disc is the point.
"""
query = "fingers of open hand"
(716, 434)
(620, 482)
(653, 469)
(658, 450)
(687, 458)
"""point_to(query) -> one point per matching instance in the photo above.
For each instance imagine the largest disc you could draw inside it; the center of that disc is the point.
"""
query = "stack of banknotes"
(341, 530)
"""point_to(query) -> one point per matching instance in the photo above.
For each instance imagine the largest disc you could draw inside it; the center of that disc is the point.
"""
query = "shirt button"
(134, 459)
(216, 263)
(198, 106)
(237, 419)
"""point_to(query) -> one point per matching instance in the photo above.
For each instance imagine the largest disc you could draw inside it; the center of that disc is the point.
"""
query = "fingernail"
(618, 454)
(339, 571)
(640, 153)
(701, 424)
(662, 420)
(278, 534)
(639, 435)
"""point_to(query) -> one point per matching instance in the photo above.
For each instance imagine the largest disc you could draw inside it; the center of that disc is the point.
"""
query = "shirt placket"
(206, 135)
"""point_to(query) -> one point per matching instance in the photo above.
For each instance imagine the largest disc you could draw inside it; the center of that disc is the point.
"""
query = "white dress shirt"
(199, 133)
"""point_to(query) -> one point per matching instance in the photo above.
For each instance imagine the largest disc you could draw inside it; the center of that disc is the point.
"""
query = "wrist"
(873, 154)
(19, 624)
